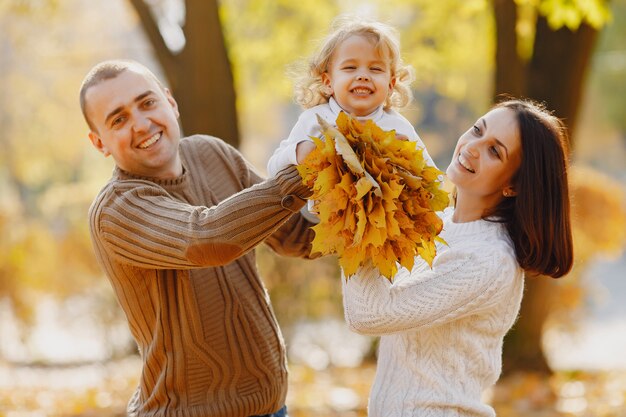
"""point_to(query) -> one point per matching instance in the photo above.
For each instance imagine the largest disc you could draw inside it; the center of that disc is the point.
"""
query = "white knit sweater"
(442, 329)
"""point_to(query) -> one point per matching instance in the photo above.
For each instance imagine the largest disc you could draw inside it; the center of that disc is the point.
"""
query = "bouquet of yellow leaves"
(375, 196)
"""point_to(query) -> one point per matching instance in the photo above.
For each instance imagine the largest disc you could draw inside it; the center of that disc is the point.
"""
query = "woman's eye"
(494, 151)
(476, 130)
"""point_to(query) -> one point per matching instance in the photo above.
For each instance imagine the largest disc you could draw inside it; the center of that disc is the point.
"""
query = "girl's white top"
(307, 126)
(442, 328)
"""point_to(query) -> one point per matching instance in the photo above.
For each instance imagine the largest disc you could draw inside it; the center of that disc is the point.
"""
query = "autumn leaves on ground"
(334, 392)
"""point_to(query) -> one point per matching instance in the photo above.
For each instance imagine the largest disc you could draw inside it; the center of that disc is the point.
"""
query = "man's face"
(135, 120)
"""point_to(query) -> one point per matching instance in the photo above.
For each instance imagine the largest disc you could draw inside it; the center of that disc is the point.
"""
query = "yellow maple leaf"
(375, 195)
(363, 185)
(427, 251)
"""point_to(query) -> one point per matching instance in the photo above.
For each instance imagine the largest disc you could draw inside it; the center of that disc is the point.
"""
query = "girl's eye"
(378, 69)
(349, 67)
(476, 130)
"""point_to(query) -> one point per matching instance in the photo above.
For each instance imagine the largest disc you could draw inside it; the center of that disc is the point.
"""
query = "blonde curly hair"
(309, 90)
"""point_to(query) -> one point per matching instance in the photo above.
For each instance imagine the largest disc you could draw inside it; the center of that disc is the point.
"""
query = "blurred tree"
(189, 44)
(265, 38)
(25, 232)
(544, 49)
(609, 71)
(48, 171)
(543, 52)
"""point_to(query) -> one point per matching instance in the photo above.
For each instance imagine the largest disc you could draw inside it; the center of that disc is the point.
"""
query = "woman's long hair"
(538, 217)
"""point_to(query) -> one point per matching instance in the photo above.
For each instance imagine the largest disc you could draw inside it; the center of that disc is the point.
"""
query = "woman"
(442, 328)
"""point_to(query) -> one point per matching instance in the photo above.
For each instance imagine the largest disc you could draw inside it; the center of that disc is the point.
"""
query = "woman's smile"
(465, 164)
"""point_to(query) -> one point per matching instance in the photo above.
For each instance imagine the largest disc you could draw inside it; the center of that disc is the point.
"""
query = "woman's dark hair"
(538, 217)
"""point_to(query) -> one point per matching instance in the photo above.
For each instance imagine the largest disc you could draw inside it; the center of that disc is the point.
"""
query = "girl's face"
(358, 76)
(485, 161)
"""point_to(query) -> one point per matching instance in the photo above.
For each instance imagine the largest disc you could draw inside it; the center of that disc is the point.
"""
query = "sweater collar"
(165, 183)
(375, 116)
(481, 227)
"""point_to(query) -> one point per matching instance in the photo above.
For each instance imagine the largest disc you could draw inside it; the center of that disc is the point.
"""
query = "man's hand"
(303, 149)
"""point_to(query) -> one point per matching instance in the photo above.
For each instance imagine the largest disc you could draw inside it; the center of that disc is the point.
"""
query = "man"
(174, 230)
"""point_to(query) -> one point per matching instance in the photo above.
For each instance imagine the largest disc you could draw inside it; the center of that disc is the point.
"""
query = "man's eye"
(118, 120)
(149, 102)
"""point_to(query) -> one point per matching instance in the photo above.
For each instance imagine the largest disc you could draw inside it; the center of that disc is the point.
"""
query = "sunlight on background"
(598, 341)
(65, 348)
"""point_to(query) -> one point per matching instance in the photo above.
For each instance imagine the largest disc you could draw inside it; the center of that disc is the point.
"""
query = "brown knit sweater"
(178, 254)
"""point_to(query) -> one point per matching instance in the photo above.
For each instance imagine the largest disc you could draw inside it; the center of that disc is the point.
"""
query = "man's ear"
(173, 103)
(97, 143)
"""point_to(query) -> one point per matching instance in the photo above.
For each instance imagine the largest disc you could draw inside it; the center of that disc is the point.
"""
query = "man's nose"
(140, 122)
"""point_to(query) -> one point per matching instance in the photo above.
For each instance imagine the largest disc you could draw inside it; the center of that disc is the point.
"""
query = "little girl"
(358, 70)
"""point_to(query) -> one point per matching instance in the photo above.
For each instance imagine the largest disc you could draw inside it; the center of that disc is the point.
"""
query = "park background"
(65, 349)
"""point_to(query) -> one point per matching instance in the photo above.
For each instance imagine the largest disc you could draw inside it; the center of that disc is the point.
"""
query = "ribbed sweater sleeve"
(463, 281)
(141, 224)
(292, 238)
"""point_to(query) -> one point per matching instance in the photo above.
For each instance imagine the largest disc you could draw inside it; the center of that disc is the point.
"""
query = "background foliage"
(49, 173)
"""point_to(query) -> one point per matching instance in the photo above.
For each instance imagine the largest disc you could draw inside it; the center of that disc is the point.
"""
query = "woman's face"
(486, 159)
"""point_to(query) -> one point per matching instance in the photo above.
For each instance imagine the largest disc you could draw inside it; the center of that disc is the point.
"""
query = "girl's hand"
(303, 149)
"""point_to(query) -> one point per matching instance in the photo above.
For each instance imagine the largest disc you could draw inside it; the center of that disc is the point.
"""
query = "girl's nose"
(362, 77)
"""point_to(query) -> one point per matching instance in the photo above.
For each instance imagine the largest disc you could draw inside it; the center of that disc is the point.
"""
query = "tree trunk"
(559, 68)
(522, 345)
(200, 75)
(555, 75)
(509, 75)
